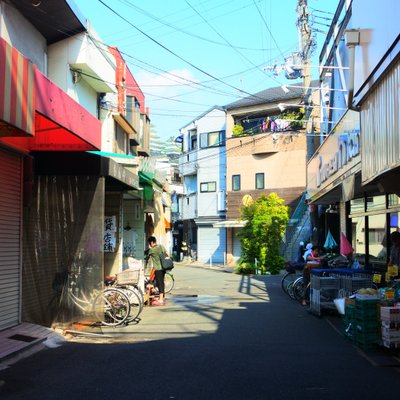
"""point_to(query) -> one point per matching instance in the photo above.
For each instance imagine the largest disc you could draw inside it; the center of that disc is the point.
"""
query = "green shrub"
(246, 268)
(261, 237)
(237, 130)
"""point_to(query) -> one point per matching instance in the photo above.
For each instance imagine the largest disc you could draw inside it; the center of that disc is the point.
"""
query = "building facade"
(74, 127)
(202, 165)
(266, 151)
(355, 171)
(35, 125)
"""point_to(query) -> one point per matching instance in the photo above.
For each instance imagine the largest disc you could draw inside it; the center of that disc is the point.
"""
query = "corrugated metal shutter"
(380, 138)
(10, 240)
(211, 242)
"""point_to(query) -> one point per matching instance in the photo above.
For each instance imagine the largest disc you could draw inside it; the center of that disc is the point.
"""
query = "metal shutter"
(10, 238)
(211, 243)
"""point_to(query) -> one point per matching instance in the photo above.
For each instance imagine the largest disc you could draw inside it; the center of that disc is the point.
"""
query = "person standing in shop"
(394, 258)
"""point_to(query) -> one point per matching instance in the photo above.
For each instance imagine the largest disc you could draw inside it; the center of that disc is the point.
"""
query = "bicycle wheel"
(169, 282)
(136, 302)
(288, 278)
(290, 291)
(112, 307)
(300, 289)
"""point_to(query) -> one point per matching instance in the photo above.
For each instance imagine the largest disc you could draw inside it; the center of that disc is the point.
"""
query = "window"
(235, 182)
(358, 235)
(394, 200)
(208, 187)
(357, 205)
(260, 180)
(377, 235)
(212, 139)
(376, 202)
(193, 142)
(192, 139)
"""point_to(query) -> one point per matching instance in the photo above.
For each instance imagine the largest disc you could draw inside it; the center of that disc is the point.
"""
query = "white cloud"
(166, 84)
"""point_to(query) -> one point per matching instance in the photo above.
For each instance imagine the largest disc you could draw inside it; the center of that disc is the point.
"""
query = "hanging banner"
(110, 230)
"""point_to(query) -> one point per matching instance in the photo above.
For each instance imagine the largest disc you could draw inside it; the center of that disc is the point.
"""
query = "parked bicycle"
(151, 285)
(128, 282)
(109, 306)
(294, 271)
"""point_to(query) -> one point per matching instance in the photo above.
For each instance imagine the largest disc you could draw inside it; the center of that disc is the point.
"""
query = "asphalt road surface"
(220, 336)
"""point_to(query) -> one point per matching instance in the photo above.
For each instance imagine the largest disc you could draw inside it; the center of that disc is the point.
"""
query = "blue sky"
(189, 55)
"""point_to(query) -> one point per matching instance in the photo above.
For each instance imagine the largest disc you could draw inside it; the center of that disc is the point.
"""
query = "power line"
(173, 53)
(159, 20)
(269, 30)
(221, 36)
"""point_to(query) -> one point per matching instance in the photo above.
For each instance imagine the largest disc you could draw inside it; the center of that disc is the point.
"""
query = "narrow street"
(220, 336)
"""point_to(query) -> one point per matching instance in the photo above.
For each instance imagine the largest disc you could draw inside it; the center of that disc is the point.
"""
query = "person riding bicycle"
(154, 253)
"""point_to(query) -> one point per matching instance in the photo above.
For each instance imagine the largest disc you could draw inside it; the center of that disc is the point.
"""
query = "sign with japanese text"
(110, 230)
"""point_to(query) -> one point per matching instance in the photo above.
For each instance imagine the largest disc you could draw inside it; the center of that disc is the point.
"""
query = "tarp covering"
(62, 249)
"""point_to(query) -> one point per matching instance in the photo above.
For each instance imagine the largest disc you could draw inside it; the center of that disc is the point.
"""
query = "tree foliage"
(266, 220)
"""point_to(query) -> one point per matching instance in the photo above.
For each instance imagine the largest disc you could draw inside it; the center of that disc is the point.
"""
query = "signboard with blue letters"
(336, 157)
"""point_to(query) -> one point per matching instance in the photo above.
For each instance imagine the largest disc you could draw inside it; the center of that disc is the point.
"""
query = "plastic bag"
(339, 303)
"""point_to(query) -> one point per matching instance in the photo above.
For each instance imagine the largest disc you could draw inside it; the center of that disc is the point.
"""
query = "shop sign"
(110, 233)
(337, 155)
(348, 147)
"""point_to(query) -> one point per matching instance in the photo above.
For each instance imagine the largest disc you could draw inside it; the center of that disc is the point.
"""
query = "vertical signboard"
(110, 233)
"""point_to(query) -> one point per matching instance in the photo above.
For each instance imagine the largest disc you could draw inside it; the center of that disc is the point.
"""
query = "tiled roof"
(270, 95)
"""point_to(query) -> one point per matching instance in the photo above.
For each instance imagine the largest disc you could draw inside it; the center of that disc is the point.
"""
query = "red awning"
(61, 124)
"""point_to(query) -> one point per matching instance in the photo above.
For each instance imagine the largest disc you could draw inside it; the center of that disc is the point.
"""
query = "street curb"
(220, 268)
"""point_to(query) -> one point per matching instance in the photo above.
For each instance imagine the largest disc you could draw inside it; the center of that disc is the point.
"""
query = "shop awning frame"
(61, 124)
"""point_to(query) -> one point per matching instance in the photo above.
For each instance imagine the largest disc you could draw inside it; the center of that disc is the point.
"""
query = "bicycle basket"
(128, 277)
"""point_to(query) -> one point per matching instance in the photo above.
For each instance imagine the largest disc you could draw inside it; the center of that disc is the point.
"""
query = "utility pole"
(305, 44)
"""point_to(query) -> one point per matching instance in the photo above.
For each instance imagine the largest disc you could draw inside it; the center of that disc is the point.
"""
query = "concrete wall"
(212, 166)
(283, 163)
(22, 35)
(379, 26)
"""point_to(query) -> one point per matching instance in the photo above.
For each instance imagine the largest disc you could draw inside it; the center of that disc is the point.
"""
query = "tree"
(266, 220)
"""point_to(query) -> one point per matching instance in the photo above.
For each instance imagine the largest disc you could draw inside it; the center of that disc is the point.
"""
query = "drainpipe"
(352, 40)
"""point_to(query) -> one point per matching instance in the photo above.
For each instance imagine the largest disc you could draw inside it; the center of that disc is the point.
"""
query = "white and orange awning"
(17, 92)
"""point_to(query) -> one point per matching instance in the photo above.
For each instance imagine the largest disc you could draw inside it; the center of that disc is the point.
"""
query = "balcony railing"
(188, 163)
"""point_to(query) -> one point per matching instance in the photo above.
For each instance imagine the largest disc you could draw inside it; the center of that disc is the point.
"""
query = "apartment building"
(203, 166)
(266, 150)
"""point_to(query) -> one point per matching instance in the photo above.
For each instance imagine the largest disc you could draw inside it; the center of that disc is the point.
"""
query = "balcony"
(90, 61)
(188, 164)
(188, 206)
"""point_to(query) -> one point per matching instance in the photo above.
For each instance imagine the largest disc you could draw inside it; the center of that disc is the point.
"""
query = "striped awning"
(17, 93)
